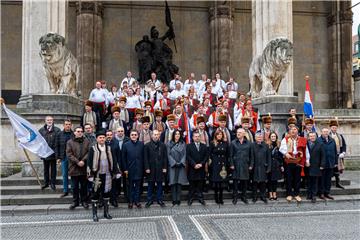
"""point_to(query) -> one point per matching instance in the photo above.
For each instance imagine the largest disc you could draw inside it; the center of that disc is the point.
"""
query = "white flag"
(28, 137)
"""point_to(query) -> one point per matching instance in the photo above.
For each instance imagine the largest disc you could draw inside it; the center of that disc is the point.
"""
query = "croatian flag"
(308, 107)
(28, 137)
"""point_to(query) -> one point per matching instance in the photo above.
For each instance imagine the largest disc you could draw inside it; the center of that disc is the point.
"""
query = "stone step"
(47, 209)
(28, 181)
(22, 187)
(39, 199)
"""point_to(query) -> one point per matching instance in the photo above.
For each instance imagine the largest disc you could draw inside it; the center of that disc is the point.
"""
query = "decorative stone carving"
(60, 66)
(267, 70)
(90, 7)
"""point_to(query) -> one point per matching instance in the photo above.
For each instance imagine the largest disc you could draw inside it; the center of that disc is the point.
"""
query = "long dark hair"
(271, 143)
(181, 135)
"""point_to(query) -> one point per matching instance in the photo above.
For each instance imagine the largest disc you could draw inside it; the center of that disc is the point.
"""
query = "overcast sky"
(356, 16)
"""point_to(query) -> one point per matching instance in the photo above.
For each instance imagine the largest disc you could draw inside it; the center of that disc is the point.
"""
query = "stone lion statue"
(60, 66)
(267, 70)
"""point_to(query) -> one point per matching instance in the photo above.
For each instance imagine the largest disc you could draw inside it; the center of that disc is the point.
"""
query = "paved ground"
(330, 220)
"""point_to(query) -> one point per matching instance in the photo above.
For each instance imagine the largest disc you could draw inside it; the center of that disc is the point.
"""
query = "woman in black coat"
(219, 152)
(277, 166)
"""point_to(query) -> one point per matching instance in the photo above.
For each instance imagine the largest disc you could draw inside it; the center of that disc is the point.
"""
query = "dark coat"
(115, 152)
(219, 159)
(77, 150)
(177, 163)
(331, 157)
(262, 161)
(50, 138)
(60, 143)
(277, 161)
(317, 158)
(241, 157)
(155, 159)
(193, 157)
(133, 159)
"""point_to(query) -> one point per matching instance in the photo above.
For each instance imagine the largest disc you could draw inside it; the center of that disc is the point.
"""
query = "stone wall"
(125, 23)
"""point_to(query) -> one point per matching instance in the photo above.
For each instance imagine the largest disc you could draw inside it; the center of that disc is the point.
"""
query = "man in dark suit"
(315, 164)
(331, 161)
(197, 156)
(116, 155)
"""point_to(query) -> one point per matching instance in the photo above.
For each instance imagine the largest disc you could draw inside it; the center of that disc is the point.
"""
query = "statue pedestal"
(278, 106)
(36, 107)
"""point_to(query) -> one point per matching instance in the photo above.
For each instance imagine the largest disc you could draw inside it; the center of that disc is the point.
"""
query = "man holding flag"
(28, 137)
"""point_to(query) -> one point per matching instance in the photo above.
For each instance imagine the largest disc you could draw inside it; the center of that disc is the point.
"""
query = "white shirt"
(217, 90)
(130, 81)
(187, 85)
(172, 84)
(177, 93)
(112, 96)
(133, 102)
(284, 150)
(220, 83)
(98, 96)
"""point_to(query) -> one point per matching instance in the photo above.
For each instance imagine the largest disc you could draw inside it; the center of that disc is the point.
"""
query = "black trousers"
(325, 182)
(313, 186)
(176, 192)
(196, 188)
(115, 189)
(262, 189)
(82, 181)
(50, 165)
(293, 178)
(243, 184)
(100, 193)
(272, 185)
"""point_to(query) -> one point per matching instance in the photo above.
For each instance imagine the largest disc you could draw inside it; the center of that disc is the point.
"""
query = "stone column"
(271, 19)
(340, 53)
(89, 34)
(221, 29)
(39, 17)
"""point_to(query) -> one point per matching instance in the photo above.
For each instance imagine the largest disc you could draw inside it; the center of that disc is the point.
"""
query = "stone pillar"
(271, 19)
(356, 77)
(221, 29)
(89, 34)
(39, 17)
(340, 53)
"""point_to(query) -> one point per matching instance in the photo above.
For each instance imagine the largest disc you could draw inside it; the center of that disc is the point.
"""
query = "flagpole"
(32, 166)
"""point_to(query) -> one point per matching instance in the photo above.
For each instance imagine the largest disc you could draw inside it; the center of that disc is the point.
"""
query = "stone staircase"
(19, 191)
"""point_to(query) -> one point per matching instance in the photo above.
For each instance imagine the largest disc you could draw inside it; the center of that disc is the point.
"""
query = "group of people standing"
(167, 136)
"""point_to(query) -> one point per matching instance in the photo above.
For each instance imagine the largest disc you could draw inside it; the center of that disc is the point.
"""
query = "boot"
(338, 185)
(94, 211)
(106, 209)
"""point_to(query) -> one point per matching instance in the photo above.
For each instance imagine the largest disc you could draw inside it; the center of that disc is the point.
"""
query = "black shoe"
(202, 202)
(64, 194)
(130, 205)
(85, 205)
(53, 187)
(44, 186)
(138, 205)
(148, 204)
(234, 201)
(264, 199)
(338, 185)
(73, 206)
(114, 203)
(313, 200)
(321, 196)
(161, 203)
(106, 209)
(244, 200)
(178, 203)
(329, 197)
(94, 211)
(189, 202)
(254, 200)
(308, 197)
